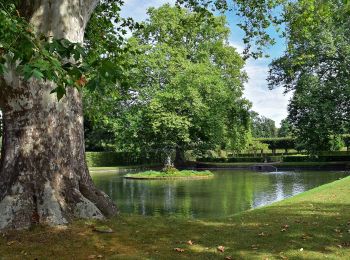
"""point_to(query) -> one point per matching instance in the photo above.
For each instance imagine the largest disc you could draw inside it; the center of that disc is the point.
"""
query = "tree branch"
(88, 8)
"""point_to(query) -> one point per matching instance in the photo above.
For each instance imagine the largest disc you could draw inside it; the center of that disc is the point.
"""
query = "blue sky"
(270, 103)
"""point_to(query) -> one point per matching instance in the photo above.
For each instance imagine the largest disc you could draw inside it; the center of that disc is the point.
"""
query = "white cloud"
(239, 47)
(269, 103)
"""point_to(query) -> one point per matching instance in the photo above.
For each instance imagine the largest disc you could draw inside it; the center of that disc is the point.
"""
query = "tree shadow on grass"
(305, 230)
(300, 230)
(275, 232)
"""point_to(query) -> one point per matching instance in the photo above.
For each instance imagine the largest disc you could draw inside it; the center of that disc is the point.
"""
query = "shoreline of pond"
(282, 166)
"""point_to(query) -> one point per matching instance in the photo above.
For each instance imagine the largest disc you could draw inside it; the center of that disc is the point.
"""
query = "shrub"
(279, 143)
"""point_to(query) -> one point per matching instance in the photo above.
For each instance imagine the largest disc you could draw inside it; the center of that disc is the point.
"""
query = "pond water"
(227, 193)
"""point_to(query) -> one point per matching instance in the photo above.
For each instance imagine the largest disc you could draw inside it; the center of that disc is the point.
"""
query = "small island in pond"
(165, 175)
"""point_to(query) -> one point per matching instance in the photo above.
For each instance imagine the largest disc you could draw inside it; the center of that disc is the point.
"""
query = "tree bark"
(43, 174)
(179, 157)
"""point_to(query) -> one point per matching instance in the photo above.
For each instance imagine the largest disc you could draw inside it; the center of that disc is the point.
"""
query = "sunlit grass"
(167, 175)
(312, 225)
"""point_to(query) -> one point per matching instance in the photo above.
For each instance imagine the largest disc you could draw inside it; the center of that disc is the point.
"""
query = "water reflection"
(229, 192)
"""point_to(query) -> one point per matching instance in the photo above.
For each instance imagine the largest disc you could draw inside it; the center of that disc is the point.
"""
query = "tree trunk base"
(22, 209)
(43, 174)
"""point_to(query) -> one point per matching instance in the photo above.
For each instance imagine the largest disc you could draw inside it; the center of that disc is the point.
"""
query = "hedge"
(258, 154)
(245, 159)
(106, 159)
(321, 158)
(298, 158)
(232, 160)
(278, 143)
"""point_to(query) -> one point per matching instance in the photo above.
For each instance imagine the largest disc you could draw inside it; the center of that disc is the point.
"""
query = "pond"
(227, 193)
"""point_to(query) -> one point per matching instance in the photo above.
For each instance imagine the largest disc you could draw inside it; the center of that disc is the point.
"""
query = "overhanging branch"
(88, 7)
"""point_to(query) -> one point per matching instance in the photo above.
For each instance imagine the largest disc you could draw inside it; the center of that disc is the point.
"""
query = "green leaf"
(37, 74)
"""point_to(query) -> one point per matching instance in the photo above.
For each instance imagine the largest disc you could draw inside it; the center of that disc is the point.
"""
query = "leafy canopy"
(95, 64)
(316, 68)
(185, 84)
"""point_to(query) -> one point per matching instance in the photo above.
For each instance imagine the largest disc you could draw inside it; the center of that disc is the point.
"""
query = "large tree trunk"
(43, 174)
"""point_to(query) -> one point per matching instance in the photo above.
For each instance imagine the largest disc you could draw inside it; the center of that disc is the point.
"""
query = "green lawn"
(312, 225)
(174, 175)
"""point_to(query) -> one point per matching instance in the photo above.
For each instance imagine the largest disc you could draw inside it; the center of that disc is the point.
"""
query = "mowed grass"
(173, 175)
(312, 225)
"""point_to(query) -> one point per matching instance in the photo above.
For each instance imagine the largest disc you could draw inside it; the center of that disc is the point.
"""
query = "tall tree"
(316, 67)
(43, 175)
(262, 126)
(186, 85)
(286, 129)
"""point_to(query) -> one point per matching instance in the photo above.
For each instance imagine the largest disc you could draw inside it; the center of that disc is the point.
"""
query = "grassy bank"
(185, 174)
(312, 225)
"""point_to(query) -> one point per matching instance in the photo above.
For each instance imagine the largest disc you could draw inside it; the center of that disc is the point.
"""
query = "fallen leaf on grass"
(221, 249)
(262, 234)
(228, 258)
(255, 247)
(306, 236)
(103, 229)
(180, 250)
(283, 257)
(190, 242)
(337, 230)
(11, 243)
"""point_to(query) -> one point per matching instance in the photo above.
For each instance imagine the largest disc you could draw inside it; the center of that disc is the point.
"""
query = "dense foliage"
(279, 143)
(262, 126)
(316, 67)
(185, 86)
(286, 129)
(107, 159)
